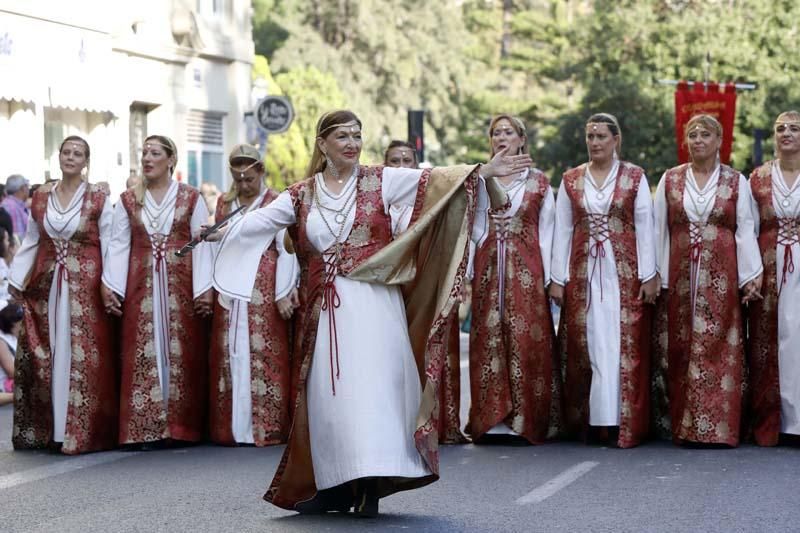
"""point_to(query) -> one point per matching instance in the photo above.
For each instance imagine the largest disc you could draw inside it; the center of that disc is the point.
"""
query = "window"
(205, 158)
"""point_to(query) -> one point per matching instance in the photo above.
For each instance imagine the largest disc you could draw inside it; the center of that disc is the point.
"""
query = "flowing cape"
(429, 262)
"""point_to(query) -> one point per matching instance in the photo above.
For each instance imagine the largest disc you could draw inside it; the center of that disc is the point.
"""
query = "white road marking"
(565, 478)
(62, 467)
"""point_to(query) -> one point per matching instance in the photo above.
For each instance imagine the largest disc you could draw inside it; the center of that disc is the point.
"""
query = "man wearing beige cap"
(250, 345)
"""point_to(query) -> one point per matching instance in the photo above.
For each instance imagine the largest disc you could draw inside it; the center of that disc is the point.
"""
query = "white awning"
(55, 65)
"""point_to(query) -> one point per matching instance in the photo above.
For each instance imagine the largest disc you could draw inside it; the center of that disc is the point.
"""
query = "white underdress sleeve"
(287, 268)
(203, 253)
(547, 221)
(104, 226)
(748, 254)
(645, 232)
(25, 257)
(240, 251)
(115, 266)
(662, 232)
(399, 187)
(562, 239)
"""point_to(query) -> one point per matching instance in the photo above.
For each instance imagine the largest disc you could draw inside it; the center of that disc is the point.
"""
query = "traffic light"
(416, 118)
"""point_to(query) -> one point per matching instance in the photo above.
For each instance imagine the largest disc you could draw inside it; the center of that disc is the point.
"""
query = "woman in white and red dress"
(707, 251)
(366, 415)
(604, 272)
(163, 300)
(514, 368)
(774, 335)
(66, 365)
(250, 371)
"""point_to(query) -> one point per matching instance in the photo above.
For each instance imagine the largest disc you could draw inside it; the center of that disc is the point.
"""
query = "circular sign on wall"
(274, 114)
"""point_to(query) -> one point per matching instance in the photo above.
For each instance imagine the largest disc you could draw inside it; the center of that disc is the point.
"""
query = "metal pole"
(743, 86)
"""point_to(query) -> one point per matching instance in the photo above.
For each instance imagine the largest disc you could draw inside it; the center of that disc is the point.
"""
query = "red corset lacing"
(695, 251)
(600, 233)
(501, 228)
(326, 271)
(787, 236)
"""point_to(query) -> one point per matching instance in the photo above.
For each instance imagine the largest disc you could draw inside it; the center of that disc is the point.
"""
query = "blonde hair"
(518, 126)
(169, 146)
(706, 121)
(326, 123)
(786, 116)
(76, 138)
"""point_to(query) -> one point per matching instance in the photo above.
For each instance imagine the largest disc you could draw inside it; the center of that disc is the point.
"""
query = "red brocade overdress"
(634, 369)
(92, 411)
(705, 345)
(514, 372)
(143, 415)
(765, 391)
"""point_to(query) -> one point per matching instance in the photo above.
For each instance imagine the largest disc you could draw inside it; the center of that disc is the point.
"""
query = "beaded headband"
(354, 127)
(158, 143)
(787, 123)
(245, 169)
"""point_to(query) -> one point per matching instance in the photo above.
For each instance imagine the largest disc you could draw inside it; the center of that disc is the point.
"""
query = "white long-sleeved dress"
(287, 272)
(366, 429)
(60, 224)
(603, 315)
(157, 219)
(788, 310)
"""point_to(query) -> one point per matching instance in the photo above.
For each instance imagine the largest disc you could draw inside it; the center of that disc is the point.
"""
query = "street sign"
(274, 114)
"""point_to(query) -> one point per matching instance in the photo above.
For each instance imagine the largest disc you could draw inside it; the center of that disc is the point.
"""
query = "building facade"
(116, 71)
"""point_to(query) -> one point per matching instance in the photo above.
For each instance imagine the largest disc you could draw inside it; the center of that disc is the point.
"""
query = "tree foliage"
(552, 62)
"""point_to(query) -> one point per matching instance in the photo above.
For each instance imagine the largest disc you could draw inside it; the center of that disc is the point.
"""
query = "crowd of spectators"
(14, 211)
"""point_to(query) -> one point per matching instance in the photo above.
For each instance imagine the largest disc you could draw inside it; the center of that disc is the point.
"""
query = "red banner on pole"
(711, 99)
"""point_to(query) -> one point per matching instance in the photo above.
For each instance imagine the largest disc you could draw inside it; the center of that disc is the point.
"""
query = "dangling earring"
(614, 156)
(719, 161)
(333, 170)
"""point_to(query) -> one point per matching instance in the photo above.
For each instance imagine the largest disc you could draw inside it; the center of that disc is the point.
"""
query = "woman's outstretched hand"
(505, 165)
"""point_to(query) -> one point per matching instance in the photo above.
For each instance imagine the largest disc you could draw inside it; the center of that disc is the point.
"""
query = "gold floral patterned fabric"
(269, 358)
(93, 407)
(514, 371)
(634, 317)
(765, 391)
(429, 261)
(450, 390)
(706, 350)
(143, 415)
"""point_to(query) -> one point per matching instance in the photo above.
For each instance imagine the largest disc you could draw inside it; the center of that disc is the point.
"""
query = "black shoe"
(366, 505)
(339, 499)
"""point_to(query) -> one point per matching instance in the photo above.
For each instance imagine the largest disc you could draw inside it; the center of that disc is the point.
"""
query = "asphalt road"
(555, 487)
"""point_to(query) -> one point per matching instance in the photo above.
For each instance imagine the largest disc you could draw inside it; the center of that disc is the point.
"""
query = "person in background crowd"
(10, 325)
(515, 380)
(774, 336)
(17, 188)
(603, 273)
(249, 359)
(210, 195)
(7, 251)
(66, 365)
(5, 218)
(707, 251)
(164, 301)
